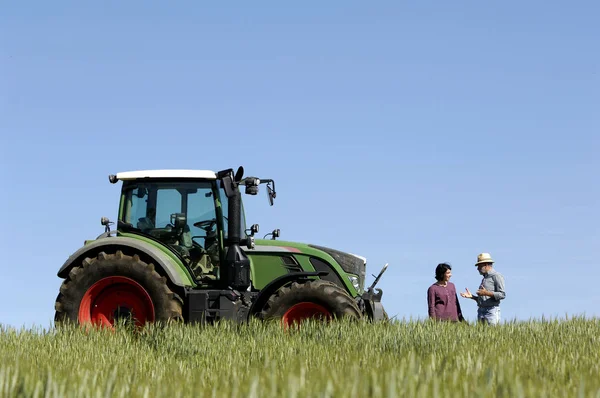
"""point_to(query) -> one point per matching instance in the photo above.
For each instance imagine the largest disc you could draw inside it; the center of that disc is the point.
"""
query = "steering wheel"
(206, 225)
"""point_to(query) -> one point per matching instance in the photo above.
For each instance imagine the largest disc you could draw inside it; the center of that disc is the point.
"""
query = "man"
(490, 292)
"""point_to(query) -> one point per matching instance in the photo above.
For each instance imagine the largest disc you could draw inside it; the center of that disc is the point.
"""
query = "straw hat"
(484, 258)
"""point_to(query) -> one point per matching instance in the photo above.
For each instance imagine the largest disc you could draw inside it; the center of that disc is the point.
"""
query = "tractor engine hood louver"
(349, 262)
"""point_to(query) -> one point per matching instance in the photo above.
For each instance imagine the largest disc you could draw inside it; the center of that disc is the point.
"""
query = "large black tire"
(325, 294)
(166, 306)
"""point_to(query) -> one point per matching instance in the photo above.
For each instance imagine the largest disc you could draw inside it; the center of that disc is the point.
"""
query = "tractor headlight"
(354, 281)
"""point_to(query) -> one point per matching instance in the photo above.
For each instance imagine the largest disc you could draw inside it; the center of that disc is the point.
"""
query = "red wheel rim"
(114, 297)
(303, 311)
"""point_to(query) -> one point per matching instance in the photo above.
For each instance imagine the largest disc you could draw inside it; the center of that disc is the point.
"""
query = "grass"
(546, 358)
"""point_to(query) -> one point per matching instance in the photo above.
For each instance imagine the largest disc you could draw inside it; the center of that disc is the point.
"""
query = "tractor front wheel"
(316, 299)
(114, 287)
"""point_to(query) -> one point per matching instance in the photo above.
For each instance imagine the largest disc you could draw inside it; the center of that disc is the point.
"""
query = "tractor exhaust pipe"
(234, 215)
(237, 265)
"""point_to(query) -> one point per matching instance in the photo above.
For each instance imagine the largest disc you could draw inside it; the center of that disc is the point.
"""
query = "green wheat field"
(541, 358)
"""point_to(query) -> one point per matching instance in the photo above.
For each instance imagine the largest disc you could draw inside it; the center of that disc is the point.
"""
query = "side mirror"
(271, 192)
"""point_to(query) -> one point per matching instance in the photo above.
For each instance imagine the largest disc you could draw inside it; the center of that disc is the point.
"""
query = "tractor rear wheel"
(114, 287)
(317, 299)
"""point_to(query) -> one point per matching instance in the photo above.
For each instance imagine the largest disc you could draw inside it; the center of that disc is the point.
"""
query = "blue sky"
(409, 133)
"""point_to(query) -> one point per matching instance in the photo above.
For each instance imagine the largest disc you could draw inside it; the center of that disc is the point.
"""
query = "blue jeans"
(489, 315)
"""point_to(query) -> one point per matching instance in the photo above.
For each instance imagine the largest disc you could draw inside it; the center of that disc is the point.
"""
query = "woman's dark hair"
(440, 270)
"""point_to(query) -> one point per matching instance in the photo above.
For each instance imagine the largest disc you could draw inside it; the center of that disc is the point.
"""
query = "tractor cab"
(186, 211)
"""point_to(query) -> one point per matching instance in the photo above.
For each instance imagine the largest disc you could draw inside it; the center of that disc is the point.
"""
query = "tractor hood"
(349, 263)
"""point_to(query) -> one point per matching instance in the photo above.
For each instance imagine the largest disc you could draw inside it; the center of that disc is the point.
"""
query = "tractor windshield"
(153, 208)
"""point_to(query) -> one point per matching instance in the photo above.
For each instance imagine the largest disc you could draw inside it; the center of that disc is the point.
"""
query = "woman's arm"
(431, 302)
(458, 309)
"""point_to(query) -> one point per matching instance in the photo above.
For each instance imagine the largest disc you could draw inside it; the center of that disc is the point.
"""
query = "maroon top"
(443, 302)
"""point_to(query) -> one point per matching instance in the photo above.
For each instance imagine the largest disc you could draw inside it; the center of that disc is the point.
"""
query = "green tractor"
(181, 252)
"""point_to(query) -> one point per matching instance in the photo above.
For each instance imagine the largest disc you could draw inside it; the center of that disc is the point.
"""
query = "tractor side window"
(201, 215)
(136, 203)
(225, 209)
(168, 201)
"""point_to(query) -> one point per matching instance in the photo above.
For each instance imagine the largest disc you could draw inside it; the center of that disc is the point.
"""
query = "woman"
(442, 298)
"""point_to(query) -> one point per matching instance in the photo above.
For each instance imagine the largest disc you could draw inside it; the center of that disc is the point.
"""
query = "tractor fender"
(275, 284)
(128, 246)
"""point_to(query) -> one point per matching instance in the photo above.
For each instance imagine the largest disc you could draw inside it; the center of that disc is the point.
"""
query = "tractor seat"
(186, 238)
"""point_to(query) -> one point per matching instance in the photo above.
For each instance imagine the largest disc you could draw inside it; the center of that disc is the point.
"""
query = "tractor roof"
(198, 174)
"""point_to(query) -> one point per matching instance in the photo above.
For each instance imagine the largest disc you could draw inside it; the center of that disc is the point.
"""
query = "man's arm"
(499, 293)
(467, 294)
